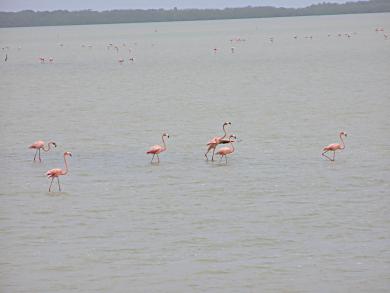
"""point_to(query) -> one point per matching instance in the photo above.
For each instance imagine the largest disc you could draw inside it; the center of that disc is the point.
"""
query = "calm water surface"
(276, 218)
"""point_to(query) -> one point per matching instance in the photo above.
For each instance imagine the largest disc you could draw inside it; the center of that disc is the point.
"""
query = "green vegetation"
(64, 17)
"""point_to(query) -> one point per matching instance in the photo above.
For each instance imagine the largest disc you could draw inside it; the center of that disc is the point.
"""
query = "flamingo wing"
(36, 145)
(155, 149)
(215, 140)
(332, 147)
(225, 141)
(224, 151)
(54, 173)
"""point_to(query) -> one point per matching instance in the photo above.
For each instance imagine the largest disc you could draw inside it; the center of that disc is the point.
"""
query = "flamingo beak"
(55, 145)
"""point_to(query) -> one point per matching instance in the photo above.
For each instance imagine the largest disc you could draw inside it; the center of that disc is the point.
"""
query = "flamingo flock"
(235, 40)
(155, 150)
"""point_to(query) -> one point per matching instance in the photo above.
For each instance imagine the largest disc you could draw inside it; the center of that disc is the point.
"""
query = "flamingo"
(223, 152)
(335, 146)
(40, 144)
(212, 144)
(156, 149)
(55, 173)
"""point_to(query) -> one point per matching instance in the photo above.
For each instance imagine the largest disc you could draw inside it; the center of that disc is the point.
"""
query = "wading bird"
(55, 173)
(212, 144)
(223, 152)
(335, 146)
(157, 149)
(40, 144)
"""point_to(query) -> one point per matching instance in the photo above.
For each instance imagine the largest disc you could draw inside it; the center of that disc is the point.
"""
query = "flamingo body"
(333, 147)
(156, 149)
(55, 173)
(39, 144)
(225, 151)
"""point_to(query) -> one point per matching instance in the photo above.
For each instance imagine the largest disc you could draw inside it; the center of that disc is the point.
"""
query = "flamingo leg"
(323, 154)
(39, 155)
(212, 157)
(51, 183)
(334, 154)
(158, 159)
(152, 158)
(208, 149)
(59, 186)
(36, 152)
(226, 159)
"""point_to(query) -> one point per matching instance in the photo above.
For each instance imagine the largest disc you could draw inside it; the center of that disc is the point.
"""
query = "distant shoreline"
(29, 18)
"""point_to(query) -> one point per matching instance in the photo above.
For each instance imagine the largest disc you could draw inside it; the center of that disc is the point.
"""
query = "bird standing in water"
(212, 144)
(40, 144)
(223, 152)
(55, 173)
(157, 149)
(335, 146)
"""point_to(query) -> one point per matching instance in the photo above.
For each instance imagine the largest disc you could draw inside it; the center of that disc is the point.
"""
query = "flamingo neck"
(66, 166)
(224, 131)
(231, 143)
(48, 147)
(342, 142)
(165, 146)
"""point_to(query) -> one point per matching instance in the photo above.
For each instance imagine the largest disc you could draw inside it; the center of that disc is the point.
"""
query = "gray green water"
(276, 218)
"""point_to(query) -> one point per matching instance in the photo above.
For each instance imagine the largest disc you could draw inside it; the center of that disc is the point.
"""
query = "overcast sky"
(17, 5)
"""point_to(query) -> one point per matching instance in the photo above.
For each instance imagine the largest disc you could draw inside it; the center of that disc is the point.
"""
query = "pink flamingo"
(157, 149)
(55, 173)
(42, 59)
(121, 61)
(335, 146)
(223, 152)
(38, 145)
(212, 144)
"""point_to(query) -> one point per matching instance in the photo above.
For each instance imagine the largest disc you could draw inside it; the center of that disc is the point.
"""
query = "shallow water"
(276, 218)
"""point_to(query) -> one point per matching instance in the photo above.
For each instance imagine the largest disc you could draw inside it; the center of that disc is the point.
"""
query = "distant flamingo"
(40, 144)
(335, 146)
(42, 59)
(212, 144)
(121, 61)
(223, 152)
(157, 149)
(55, 173)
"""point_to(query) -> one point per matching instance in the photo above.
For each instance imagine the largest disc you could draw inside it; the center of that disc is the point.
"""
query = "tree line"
(27, 18)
